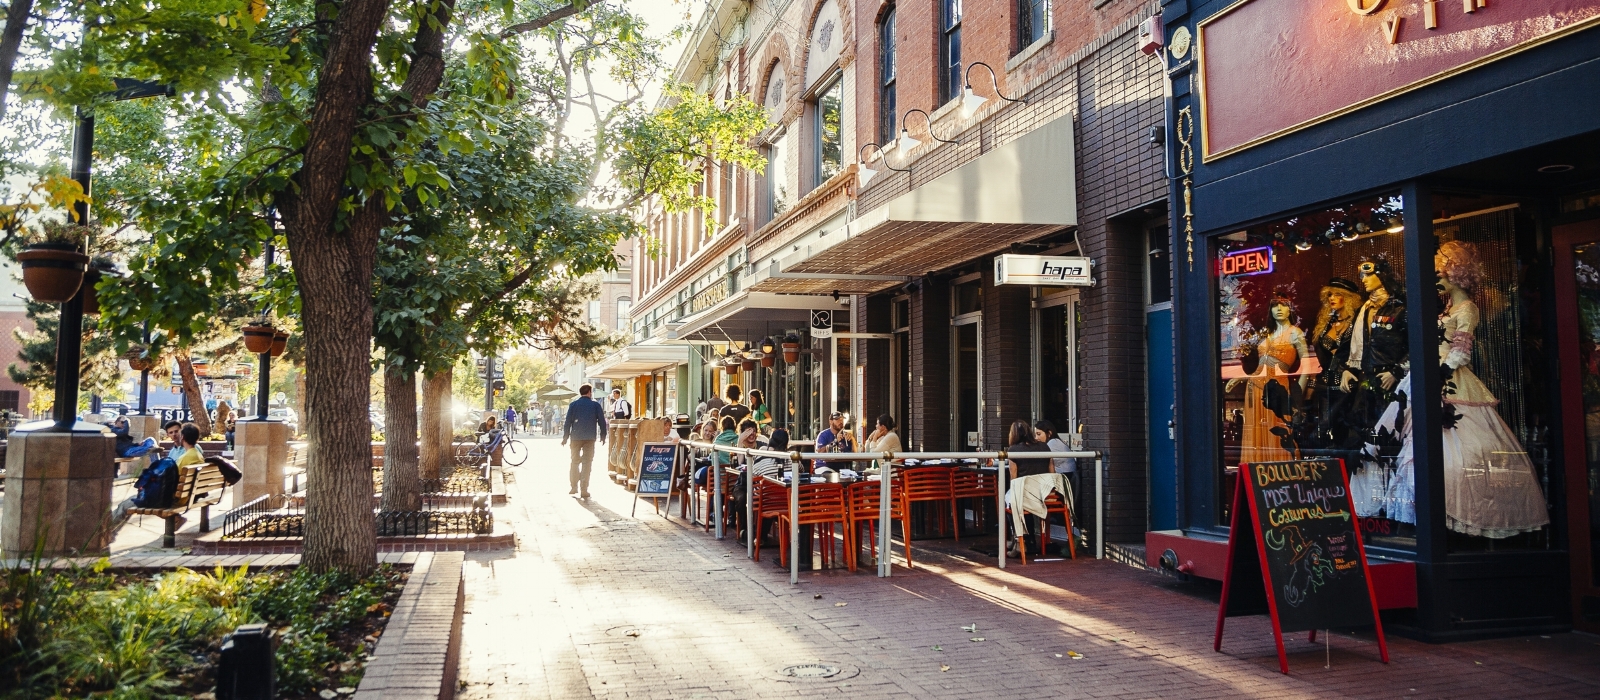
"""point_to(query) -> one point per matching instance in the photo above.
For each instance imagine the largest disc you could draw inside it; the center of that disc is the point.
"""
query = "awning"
(749, 316)
(1017, 192)
(634, 360)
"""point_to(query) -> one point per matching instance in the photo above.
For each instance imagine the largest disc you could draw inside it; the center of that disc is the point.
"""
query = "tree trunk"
(10, 41)
(191, 393)
(435, 437)
(300, 401)
(400, 488)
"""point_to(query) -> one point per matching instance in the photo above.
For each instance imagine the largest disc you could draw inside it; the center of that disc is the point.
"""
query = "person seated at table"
(728, 437)
(835, 439)
(1023, 440)
(883, 437)
(763, 466)
(748, 434)
(709, 427)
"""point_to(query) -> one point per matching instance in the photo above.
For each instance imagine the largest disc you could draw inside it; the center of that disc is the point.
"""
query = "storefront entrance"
(1577, 269)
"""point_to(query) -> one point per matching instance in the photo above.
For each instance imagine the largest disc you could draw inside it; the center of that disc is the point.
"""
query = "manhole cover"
(811, 671)
(815, 671)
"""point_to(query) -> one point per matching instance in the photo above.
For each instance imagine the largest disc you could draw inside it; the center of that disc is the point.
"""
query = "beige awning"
(634, 360)
(1017, 192)
(749, 316)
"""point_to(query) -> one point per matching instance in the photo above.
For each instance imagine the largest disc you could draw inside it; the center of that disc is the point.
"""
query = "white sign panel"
(821, 323)
(1044, 270)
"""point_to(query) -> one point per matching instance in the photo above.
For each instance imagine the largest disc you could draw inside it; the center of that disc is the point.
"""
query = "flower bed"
(79, 632)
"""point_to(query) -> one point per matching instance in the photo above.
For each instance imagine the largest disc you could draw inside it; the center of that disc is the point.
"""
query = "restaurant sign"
(1268, 68)
(1044, 270)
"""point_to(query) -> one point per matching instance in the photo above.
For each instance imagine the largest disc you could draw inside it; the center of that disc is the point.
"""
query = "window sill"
(1029, 52)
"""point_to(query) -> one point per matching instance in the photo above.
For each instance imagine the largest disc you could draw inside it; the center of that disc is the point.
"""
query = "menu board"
(657, 466)
(1295, 551)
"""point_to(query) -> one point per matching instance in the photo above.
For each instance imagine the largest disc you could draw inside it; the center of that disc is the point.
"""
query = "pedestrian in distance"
(586, 422)
(759, 411)
(620, 408)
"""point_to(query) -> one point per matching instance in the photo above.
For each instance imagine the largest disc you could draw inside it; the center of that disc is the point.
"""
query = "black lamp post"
(69, 333)
(144, 377)
(264, 369)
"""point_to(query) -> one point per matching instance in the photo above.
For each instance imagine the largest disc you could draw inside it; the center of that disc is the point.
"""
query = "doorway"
(1058, 356)
(1577, 266)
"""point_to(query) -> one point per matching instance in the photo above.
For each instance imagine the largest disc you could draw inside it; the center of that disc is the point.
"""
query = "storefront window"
(1315, 363)
(1495, 421)
(1314, 355)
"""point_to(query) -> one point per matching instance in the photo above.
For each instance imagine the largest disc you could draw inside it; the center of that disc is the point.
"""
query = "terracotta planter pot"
(258, 339)
(52, 272)
(141, 364)
(91, 298)
(768, 360)
(279, 342)
(748, 365)
(791, 352)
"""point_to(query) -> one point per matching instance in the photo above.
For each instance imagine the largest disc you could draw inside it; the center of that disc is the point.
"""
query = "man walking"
(620, 408)
(586, 419)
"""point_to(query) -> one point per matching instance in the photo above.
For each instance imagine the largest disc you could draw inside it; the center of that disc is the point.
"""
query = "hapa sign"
(1044, 270)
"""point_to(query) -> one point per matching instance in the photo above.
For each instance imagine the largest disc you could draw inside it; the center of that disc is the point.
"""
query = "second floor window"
(778, 195)
(886, 73)
(1034, 20)
(950, 50)
(829, 131)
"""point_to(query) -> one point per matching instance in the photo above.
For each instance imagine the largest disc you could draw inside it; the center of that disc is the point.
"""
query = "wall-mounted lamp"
(864, 174)
(907, 141)
(971, 101)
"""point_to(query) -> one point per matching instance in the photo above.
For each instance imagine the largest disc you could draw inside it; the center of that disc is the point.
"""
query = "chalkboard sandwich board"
(658, 464)
(1295, 552)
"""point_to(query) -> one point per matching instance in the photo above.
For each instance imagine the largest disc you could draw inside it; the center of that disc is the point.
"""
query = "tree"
(328, 120)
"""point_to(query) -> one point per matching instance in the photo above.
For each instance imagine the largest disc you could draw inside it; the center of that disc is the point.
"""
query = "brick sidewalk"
(595, 604)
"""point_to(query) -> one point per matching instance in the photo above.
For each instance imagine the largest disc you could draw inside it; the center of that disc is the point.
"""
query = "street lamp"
(907, 141)
(971, 101)
(864, 174)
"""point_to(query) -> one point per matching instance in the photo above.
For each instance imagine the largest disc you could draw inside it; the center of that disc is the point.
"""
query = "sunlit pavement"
(595, 603)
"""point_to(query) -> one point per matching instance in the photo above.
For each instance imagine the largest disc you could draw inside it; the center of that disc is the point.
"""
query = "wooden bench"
(199, 486)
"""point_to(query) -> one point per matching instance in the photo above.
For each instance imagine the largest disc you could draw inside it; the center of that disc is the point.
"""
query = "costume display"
(1330, 340)
(1491, 489)
(1376, 379)
(1269, 394)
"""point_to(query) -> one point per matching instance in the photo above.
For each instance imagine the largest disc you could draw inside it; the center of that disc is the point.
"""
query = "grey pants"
(582, 462)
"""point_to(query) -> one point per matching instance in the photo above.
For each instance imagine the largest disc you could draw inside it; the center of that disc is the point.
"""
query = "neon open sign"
(1250, 261)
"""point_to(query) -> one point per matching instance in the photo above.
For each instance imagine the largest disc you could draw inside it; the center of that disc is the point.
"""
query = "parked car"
(286, 415)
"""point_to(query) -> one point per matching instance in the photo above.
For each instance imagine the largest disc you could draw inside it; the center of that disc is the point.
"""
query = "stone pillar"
(260, 450)
(58, 488)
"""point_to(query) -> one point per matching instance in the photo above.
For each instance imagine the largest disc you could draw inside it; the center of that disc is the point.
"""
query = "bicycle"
(512, 454)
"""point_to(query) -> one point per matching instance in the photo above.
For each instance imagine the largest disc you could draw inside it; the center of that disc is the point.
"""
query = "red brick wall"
(1007, 359)
(929, 425)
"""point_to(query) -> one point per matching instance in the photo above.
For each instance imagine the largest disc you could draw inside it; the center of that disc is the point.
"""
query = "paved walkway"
(597, 604)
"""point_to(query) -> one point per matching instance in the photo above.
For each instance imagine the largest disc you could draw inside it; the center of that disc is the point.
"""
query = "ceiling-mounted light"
(1302, 245)
(971, 101)
(767, 346)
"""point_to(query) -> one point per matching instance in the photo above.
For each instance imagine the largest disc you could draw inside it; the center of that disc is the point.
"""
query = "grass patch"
(95, 633)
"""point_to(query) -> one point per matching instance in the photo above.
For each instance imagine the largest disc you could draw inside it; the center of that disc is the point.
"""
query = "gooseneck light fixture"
(864, 174)
(907, 141)
(971, 101)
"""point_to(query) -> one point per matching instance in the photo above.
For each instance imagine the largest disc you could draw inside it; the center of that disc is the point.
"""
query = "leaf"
(840, 605)
(943, 668)
(978, 639)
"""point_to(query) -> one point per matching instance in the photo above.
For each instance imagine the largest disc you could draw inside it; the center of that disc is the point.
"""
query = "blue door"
(1161, 395)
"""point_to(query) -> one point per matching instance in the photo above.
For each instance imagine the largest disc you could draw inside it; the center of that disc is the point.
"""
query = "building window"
(10, 400)
(624, 311)
(886, 75)
(1033, 18)
(829, 131)
(594, 312)
(778, 195)
(950, 50)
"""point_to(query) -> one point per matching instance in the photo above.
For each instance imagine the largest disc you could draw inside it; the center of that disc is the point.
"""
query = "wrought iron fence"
(441, 514)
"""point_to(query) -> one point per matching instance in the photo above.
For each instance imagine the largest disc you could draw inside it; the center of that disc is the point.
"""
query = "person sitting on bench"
(185, 453)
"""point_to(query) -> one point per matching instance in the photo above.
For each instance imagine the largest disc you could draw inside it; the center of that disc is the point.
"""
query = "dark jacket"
(586, 420)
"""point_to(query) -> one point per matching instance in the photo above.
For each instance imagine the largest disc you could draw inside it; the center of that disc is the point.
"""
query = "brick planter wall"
(417, 655)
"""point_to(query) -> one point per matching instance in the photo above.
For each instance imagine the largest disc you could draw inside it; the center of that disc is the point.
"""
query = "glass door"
(1057, 322)
(1577, 249)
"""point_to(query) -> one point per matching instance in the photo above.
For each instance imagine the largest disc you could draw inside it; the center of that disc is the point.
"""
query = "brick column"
(870, 314)
(58, 493)
(1007, 367)
(260, 449)
(929, 423)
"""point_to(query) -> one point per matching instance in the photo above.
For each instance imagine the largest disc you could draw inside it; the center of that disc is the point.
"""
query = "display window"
(1315, 363)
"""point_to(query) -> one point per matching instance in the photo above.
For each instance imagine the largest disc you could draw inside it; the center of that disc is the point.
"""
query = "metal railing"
(441, 514)
(885, 490)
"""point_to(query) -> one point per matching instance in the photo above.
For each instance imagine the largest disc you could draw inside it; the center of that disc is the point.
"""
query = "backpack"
(156, 485)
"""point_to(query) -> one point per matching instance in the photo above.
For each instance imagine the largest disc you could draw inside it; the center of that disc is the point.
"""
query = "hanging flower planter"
(53, 271)
(139, 358)
(748, 365)
(258, 337)
(98, 269)
(279, 342)
(791, 348)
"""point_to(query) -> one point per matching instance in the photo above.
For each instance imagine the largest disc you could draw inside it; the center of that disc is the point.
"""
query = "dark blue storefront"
(1310, 259)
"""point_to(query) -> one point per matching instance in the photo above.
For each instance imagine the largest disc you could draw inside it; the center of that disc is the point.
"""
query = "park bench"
(199, 486)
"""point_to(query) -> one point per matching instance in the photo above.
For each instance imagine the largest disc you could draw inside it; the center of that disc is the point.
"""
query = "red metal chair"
(821, 506)
(771, 499)
(931, 484)
(969, 483)
(1053, 504)
(864, 497)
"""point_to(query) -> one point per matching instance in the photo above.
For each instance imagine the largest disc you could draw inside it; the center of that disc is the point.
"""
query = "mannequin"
(1330, 340)
(1375, 377)
(1490, 486)
(1267, 397)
